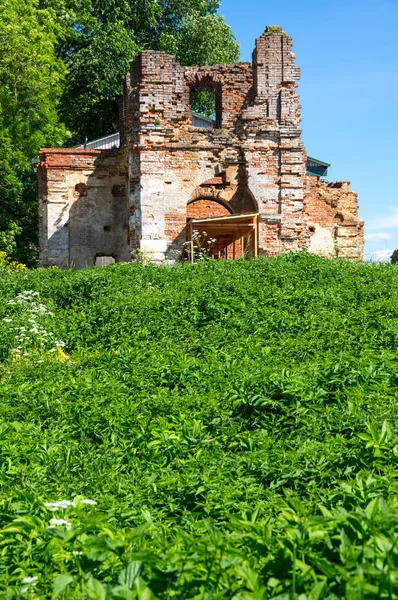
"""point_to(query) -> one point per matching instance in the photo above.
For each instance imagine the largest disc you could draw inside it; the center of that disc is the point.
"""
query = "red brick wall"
(319, 211)
(334, 207)
(203, 209)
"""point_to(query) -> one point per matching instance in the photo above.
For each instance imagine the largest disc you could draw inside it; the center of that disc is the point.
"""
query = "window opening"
(206, 108)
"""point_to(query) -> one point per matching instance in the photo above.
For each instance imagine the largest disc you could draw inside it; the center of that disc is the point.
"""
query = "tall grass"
(234, 422)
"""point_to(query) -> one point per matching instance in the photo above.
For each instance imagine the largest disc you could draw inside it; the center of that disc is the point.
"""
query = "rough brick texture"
(82, 207)
(331, 215)
(168, 171)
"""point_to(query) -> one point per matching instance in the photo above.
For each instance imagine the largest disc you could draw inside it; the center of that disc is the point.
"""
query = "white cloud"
(380, 256)
(380, 236)
(387, 221)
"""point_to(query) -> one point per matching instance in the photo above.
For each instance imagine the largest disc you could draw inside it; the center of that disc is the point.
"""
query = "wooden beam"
(256, 237)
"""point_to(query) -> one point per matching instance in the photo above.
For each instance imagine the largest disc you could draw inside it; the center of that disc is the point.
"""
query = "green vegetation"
(31, 77)
(234, 422)
(275, 29)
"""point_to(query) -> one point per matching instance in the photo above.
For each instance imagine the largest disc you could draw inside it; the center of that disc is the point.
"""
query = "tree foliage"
(30, 85)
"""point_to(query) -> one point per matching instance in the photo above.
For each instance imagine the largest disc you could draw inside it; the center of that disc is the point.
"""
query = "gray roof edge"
(318, 162)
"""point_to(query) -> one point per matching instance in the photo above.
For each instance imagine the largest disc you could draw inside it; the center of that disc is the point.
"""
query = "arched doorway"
(214, 230)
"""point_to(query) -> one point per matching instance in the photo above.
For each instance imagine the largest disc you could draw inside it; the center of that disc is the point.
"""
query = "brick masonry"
(137, 201)
(331, 212)
(82, 207)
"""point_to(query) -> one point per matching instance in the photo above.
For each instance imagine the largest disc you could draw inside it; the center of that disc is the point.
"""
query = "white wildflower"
(7, 320)
(59, 523)
(30, 580)
(59, 504)
(88, 502)
(77, 553)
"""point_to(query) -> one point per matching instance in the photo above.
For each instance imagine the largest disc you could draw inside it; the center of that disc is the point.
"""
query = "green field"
(235, 423)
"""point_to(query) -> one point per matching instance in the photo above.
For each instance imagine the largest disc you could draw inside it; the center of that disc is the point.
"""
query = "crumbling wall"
(331, 215)
(82, 207)
(256, 146)
(170, 158)
(168, 170)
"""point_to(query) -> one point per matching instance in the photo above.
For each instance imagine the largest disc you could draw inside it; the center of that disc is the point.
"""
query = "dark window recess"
(107, 228)
(104, 260)
(118, 190)
(81, 189)
(311, 229)
(206, 106)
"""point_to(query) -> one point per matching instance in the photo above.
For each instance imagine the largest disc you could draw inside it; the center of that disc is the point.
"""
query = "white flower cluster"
(59, 504)
(32, 334)
(59, 523)
(200, 246)
(63, 505)
(30, 582)
(29, 297)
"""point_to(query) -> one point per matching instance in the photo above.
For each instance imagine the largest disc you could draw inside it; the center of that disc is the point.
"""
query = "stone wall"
(82, 207)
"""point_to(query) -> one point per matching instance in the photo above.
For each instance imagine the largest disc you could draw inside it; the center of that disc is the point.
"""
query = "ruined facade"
(243, 182)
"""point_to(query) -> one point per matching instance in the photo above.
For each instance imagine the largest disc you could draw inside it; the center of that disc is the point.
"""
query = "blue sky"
(348, 54)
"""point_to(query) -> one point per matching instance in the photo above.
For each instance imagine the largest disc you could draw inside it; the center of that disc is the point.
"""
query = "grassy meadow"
(207, 431)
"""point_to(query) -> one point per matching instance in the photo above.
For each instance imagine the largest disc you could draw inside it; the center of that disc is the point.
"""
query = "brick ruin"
(243, 181)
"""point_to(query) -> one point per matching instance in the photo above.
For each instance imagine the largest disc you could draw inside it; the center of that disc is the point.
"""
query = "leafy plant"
(217, 430)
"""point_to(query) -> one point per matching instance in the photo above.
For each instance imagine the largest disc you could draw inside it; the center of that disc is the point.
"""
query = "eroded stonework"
(139, 199)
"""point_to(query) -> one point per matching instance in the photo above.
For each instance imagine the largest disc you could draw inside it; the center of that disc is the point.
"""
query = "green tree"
(30, 84)
(101, 38)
